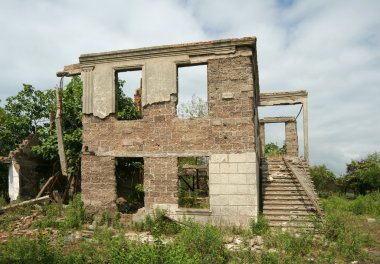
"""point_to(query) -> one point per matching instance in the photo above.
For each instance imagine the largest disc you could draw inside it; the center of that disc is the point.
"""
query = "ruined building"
(226, 140)
(23, 179)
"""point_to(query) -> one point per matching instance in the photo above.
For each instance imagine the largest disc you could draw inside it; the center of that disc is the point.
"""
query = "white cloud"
(330, 48)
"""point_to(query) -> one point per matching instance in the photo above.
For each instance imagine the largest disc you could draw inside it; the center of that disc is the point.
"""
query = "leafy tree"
(71, 125)
(195, 108)
(364, 175)
(22, 115)
(273, 149)
(126, 107)
(325, 181)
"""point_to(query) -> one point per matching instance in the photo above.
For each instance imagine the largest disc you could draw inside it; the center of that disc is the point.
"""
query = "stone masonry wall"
(160, 137)
(160, 181)
(98, 182)
(291, 139)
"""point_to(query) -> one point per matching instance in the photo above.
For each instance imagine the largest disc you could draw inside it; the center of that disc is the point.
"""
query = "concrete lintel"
(70, 70)
(199, 48)
(279, 119)
(283, 98)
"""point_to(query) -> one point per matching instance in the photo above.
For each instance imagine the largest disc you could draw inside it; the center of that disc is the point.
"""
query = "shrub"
(261, 226)
(52, 212)
(24, 250)
(75, 213)
(203, 243)
(158, 224)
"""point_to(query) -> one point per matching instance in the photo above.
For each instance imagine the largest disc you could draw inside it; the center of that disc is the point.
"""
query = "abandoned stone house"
(22, 163)
(230, 138)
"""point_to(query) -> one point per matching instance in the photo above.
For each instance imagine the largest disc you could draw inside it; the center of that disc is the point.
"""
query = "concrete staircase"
(286, 203)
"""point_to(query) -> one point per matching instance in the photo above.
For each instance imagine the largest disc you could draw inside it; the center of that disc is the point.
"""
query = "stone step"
(293, 202)
(281, 184)
(295, 218)
(285, 192)
(287, 207)
(280, 181)
(282, 188)
(286, 212)
(285, 197)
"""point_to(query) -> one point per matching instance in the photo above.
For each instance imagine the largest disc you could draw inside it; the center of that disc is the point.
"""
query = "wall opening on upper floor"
(192, 91)
(128, 94)
(193, 175)
(129, 184)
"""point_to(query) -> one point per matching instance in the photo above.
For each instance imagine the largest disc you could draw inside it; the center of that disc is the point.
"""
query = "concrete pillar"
(305, 129)
(291, 138)
(262, 139)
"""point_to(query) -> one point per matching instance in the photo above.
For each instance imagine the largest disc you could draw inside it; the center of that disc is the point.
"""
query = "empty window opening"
(129, 184)
(275, 133)
(275, 139)
(129, 88)
(193, 182)
(192, 91)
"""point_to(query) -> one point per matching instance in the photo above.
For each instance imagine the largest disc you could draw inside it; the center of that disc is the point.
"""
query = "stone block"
(237, 178)
(246, 167)
(223, 189)
(217, 199)
(229, 210)
(214, 168)
(238, 199)
(228, 168)
(246, 189)
(242, 157)
(252, 178)
(217, 158)
(227, 95)
(218, 178)
(247, 210)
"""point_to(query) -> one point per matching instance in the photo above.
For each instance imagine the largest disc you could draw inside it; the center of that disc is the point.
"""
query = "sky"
(329, 48)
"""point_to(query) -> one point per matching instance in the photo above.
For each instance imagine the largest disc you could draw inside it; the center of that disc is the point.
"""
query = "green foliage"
(158, 223)
(24, 250)
(290, 246)
(75, 213)
(22, 115)
(129, 179)
(325, 181)
(3, 202)
(188, 197)
(273, 150)
(363, 176)
(343, 228)
(126, 106)
(71, 125)
(260, 227)
(51, 212)
(8, 219)
(203, 243)
(195, 108)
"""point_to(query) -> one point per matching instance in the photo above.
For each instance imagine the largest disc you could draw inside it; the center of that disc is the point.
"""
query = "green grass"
(345, 235)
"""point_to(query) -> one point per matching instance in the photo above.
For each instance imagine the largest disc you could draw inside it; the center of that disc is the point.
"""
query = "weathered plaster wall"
(13, 181)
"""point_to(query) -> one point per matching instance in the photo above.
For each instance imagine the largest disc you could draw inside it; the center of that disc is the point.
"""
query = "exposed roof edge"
(196, 48)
